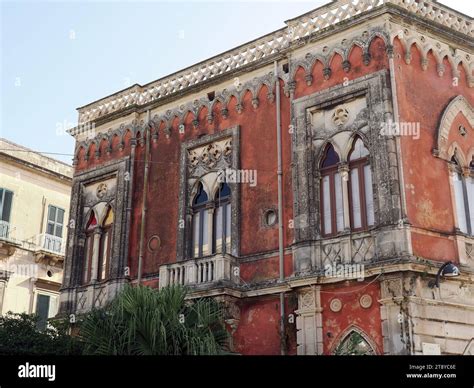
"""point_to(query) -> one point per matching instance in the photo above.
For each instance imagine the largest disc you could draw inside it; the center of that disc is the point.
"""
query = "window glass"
(359, 150)
(6, 197)
(369, 195)
(331, 157)
(356, 211)
(339, 202)
(196, 234)
(228, 226)
(55, 221)
(470, 196)
(327, 206)
(42, 310)
(459, 198)
(218, 229)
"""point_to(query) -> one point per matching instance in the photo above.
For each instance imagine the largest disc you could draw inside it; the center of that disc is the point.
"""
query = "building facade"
(34, 206)
(314, 180)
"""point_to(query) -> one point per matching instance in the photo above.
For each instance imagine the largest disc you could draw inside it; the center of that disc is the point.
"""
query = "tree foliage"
(19, 335)
(145, 321)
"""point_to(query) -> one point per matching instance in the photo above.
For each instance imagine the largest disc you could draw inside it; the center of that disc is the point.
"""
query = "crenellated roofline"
(264, 49)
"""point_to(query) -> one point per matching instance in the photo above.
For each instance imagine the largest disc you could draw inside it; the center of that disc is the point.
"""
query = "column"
(95, 254)
(344, 171)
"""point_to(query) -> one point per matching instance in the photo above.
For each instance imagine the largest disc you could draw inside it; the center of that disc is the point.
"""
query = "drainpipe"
(396, 118)
(280, 211)
(145, 189)
(131, 187)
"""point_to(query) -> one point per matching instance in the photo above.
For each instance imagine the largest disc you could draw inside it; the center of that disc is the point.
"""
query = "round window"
(270, 217)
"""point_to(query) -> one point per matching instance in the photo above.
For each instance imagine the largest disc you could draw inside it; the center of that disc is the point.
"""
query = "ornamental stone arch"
(354, 135)
(340, 346)
(458, 105)
(454, 151)
(322, 151)
(87, 217)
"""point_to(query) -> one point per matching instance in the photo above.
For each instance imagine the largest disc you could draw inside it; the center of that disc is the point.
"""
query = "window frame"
(221, 203)
(331, 172)
(2, 204)
(55, 222)
(457, 170)
(358, 165)
(202, 209)
(88, 252)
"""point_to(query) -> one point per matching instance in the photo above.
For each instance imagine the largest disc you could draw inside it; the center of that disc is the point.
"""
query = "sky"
(60, 55)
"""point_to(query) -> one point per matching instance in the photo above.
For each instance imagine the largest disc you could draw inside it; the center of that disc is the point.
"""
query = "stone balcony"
(8, 245)
(49, 249)
(205, 272)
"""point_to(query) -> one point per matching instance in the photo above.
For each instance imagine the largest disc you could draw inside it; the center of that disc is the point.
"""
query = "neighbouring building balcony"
(49, 248)
(220, 269)
(8, 244)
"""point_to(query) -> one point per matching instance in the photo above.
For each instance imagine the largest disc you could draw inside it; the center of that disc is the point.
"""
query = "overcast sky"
(59, 55)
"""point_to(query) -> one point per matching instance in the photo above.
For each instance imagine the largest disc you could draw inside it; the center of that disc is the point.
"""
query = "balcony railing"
(49, 243)
(203, 271)
(4, 230)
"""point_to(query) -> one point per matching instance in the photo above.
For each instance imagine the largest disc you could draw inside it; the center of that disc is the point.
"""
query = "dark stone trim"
(75, 251)
(306, 154)
(184, 217)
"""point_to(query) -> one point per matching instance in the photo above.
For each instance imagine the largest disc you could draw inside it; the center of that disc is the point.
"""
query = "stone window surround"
(97, 234)
(385, 180)
(185, 192)
(73, 271)
(371, 86)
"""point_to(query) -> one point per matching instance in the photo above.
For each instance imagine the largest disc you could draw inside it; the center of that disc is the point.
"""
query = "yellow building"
(34, 204)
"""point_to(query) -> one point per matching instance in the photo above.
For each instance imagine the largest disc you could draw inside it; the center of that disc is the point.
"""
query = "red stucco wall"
(423, 97)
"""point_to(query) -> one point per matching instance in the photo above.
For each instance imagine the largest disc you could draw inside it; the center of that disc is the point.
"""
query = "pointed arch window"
(89, 247)
(200, 222)
(105, 244)
(332, 207)
(221, 235)
(463, 198)
(354, 344)
(361, 202)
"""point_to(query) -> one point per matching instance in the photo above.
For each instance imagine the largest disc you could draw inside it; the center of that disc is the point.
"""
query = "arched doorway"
(354, 343)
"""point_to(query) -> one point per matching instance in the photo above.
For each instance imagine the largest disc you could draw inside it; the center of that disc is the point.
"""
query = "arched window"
(332, 208)
(222, 220)
(105, 245)
(464, 198)
(200, 222)
(354, 344)
(89, 247)
(361, 201)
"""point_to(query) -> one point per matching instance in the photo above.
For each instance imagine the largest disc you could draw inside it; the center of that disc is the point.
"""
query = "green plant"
(145, 321)
(19, 335)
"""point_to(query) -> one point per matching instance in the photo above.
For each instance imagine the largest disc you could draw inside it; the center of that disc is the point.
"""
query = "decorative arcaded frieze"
(165, 121)
(266, 46)
(425, 44)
